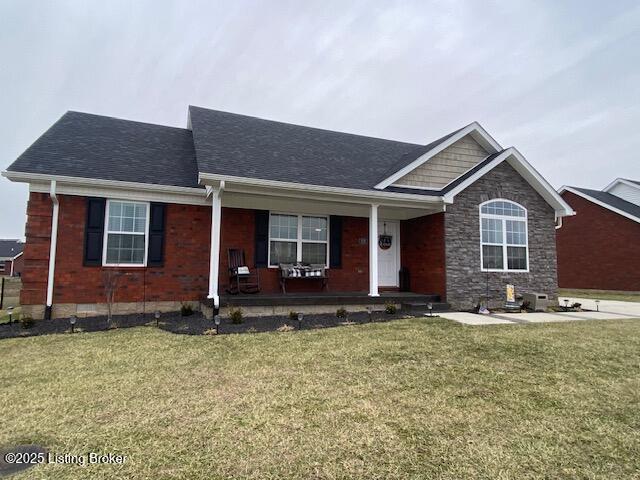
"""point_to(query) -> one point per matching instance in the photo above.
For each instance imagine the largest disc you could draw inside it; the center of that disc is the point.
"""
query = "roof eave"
(588, 197)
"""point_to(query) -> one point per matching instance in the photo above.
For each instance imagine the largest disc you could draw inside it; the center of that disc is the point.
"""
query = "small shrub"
(341, 312)
(293, 316)
(235, 314)
(390, 308)
(27, 322)
(526, 305)
(186, 310)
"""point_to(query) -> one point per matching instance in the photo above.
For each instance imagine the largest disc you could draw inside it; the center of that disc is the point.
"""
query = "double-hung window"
(126, 231)
(503, 236)
(298, 238)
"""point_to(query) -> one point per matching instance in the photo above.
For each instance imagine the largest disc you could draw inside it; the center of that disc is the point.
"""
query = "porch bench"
(289, 271)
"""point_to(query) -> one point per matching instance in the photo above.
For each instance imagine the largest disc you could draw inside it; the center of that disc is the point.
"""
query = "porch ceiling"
(326, 205)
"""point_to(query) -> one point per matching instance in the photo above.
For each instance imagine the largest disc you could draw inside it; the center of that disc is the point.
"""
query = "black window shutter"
(262, 238)
(155, 254)
(94, 231)
(335, 241)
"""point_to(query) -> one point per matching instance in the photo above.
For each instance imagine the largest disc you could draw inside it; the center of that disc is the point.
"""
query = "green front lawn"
(404, 399)
(600, 294)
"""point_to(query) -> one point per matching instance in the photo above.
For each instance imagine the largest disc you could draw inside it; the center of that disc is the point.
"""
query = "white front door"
(389, 258)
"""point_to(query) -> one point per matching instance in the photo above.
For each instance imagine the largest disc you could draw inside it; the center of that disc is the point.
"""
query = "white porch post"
(214, 257)
(373, 251)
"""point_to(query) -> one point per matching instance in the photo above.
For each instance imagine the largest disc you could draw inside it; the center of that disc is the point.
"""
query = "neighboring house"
(163, 205)
(11, 260)
(599, 248)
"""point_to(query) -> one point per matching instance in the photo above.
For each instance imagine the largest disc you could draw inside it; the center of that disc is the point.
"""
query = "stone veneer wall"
(465, 280)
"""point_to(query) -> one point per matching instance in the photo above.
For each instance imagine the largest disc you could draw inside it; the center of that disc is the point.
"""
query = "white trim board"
(598, 202)
(93, 187)
(367, 196)
(530, 174)
(474, 129)
(624, 181)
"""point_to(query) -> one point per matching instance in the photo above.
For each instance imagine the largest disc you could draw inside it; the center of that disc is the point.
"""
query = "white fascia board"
(345, 194)
(17, 255)
(109, 188)
(620, 180)
(530, 174)
(598, 202)
(474, 129)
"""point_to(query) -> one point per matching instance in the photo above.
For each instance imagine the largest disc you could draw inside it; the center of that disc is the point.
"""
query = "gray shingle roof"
(10, 248)
(244, 146)
(94, 146)
(611, 200)
(107, 148)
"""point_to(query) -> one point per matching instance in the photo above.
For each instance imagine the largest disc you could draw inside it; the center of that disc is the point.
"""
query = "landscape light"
(72, 320)
(566, 304)
(430, 308)
(370, 312)
(157, 317)
(300, 317)
(10, 315)
(216, 320)
(597, 305)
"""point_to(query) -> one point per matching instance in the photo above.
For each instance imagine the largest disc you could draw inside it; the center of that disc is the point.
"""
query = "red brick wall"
(238, 231)
(185, 273)
(36, 250)
(597, 248)
(423, 253)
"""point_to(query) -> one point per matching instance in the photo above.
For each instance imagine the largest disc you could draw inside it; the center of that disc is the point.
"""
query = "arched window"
(503, 236)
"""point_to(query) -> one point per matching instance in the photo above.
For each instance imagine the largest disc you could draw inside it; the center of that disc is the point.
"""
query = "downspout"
(52, 250)
(558, 223)
(214, 257)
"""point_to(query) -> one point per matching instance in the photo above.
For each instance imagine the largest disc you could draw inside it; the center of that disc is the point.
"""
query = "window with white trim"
(298, 238)
(503, 236)
(125, 233)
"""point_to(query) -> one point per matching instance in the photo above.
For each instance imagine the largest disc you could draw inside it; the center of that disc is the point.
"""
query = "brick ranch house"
(461, 216)
(11, 259)
(599, 247)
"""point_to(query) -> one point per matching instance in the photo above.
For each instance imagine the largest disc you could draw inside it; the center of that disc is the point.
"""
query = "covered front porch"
(364, 240)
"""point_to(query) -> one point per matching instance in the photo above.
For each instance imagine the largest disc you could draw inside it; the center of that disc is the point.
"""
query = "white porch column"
(373, 251)
(214, 257)
(52, 249)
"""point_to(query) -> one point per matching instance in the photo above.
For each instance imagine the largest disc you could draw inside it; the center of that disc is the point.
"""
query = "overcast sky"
(558, 80)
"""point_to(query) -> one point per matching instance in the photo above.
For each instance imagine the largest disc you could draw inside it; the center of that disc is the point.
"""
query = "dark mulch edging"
(195, 324)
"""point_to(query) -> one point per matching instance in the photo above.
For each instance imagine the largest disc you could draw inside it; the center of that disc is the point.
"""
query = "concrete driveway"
(608, 310)
(630, 309)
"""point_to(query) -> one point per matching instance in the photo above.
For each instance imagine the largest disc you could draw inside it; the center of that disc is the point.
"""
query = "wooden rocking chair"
(241, 279)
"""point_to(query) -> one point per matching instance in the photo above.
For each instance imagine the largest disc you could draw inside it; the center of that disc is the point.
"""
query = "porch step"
(421, 307)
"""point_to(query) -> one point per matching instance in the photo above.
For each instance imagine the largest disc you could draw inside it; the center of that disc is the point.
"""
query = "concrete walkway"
(609, 310)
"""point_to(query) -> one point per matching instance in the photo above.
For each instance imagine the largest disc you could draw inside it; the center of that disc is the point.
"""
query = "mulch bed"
(195, 324)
